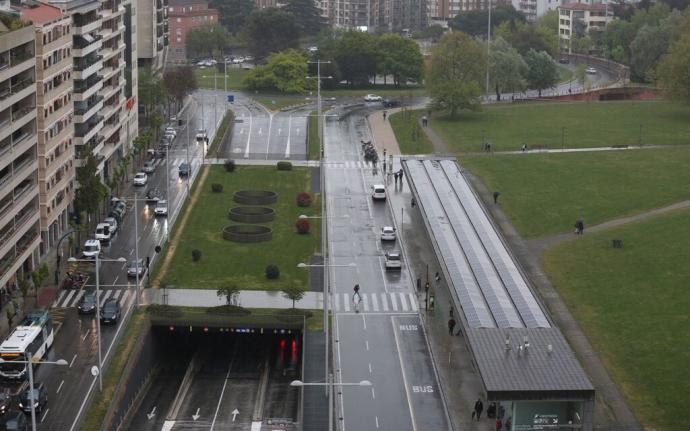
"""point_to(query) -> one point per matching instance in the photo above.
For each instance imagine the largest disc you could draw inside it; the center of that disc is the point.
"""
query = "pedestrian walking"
(451, 326)
(488, 147)
(396, 178)
(478, 408)
(579, 226)
(509, 423)
(437, 277)
(524, 147)
(499, 424)
(413, 202)
(384, 155)
(400, 172)
(496, 195)
(425, 121)
(384, 115)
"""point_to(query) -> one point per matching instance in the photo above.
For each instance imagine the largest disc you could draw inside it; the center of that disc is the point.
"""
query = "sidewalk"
(246, 298)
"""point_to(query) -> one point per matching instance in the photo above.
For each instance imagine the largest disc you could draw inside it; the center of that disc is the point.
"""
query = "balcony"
(12, 93)
(57, 90)
(85, 131)
(58, 114)
(83, 25)
(23, 194)
(86, 44)
(19, 113)
(92, 147)
(83, 70)
(62, 41)
(58, 161)
(85, 109)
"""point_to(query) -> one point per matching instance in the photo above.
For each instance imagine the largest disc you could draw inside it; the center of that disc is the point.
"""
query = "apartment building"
(19, 190)
(152, 33)
(183, 16)
(56, 170)
(579, 19)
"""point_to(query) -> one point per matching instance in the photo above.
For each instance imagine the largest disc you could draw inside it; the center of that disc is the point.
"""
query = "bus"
(30, 339)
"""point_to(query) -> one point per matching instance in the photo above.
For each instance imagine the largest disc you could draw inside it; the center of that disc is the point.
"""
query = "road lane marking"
(84, 338)
(225, 383)
(287, 146)
(59, 299)
(365, 302)
(69, 296)
(394, 303)
(336, 305)
(116, 295)
(72, 361)
(124, 298)
(346, 302)
(373, 394)
(369, 367)
(366, 343)
(131, 252)
(404, 376)
(413, 302)
(384, 301)
(249, 137)
(44, 415)
(364, 322)
(377, 420)
(268, 136)
(60, 387)
(375, 302)
(116, 278)
(104, 297)
(403, 302)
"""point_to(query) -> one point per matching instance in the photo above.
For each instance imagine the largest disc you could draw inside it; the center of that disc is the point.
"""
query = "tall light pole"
(329, 384)
(488, 49)
(30, 365)
(98, 261)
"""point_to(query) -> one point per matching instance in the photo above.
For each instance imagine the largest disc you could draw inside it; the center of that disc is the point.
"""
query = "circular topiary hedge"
(255, 197)
(247, 233)
(252, 214)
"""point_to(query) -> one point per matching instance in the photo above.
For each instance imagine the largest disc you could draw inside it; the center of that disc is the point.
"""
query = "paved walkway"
(246, 298)
(382, 132)
(538, 245)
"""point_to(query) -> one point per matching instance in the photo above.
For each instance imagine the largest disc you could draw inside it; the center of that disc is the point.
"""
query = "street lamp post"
(330, 384)
(30, 365)
(98, 308)
(488, 49)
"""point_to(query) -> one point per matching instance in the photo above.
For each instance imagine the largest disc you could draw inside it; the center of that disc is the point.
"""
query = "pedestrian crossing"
(70, 298)
(392, 302)
(349, 164)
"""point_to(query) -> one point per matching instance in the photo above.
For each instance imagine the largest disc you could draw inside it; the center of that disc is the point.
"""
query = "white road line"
(287, 146)
(336, 305)
(413, 301)
(403, 302)
(60, 387)
(59, 298)
(268, 136)
(44, 415)
(131, 252)
(69, 296)
(104, 297)
(124, 298)
(404, 376)
(373, 394)
(84, 337)
(377, 419)
(394, 302)
(383, 271)
(364, 322)
(365, 302)
(116, 295)
(374, 302)
(366, 343)
(116, 278)
(249, 136)
(72, 361)
(346, 302)
(384, 301)
(369, 367)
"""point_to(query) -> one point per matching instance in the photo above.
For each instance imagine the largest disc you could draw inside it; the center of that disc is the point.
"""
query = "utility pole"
(488, 49)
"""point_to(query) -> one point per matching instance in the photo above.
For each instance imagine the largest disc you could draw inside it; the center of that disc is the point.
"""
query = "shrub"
(303, 199)
(272, 272)
(230, 166)
(216, 188)
(284, 166)
(196, 255)
(302, 225)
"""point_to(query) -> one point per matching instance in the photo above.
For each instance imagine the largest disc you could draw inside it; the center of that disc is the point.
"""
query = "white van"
(378, 192)
(103, 232)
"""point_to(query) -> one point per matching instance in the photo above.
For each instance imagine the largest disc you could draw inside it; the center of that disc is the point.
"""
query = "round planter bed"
(255, 197)
(247, 233)
(252, 214)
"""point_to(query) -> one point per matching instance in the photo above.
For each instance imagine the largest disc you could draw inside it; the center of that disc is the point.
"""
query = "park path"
(172, 246)
(538, 245)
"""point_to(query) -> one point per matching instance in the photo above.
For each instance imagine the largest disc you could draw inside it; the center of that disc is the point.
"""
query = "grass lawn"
(410, 140)
(313, 139)
(244, 264)
(279, 102)
(633, 305)
(545, 193)
(204, 78)
(586, 125)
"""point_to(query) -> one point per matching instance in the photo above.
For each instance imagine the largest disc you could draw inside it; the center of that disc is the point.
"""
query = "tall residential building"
(443, 10)
(19, 190)
(183, 16)
(152, 32)
(374, 15)
(56, 170)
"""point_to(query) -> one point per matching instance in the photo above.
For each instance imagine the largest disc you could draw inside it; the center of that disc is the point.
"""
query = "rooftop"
(585, 6)
(39, 13)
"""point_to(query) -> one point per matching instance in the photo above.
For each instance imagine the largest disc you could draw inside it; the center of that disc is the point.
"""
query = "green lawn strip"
(244, 264)
(633, 305)
(204, 78)
(314, 141)
(381, 90)
(228, 118)
(411, 139)
(99, 406)
(545, 193)
(594, 124)
(279, 102)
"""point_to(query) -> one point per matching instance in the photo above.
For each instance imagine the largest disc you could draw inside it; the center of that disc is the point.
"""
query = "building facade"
(152, 32)
(576, 20)
(376, 15)
(19, 189)
(184, 15)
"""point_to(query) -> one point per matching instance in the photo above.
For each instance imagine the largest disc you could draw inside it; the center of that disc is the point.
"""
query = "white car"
(92, 248)
(170, 131)
(161, 208)
(201, 135)
(103, 232)
(393, 260)
(170, 136)
(591, 71)
(140, 179)
(149, 167)
(378, 192)
(388, 233)
(113, 224)
(313, 48)
(372, 98)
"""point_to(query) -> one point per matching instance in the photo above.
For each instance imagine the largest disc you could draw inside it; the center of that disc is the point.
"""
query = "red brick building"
(184, 15)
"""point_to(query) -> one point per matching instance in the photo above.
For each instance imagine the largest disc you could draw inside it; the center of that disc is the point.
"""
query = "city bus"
(31, 338)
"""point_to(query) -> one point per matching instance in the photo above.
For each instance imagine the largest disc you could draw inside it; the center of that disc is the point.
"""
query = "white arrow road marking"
(196, 416)
(268, 140)
(152, 414)
(287, 146)
(234, 414)
(249, 137)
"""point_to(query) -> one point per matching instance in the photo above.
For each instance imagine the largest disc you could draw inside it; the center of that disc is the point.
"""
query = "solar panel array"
(491, 289)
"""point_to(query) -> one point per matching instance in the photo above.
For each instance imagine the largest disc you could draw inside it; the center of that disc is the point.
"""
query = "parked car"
(87, 304)
(103, 232)
(388, 233)
(153, 195)
(248, 58)
(39, 397)
(149, 167)
(112, 221)
(161, 208)
(110, 311)
(378, 192)
(119, 206)
(15, 421)
(390, 103)
(313, 49)
(563, 60)
(171, 129)
(133, 267)
(140, 179)
(92, 248)
(170, 136)
(184, 170)
(372, 98)
(393, 260)
(591, 71)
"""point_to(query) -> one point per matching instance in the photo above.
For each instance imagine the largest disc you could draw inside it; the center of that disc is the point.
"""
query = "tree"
(543, 72)
(234, 14)
(230, 292)
(38, 276)
(151, 91)
(307, 16)
(672, 72)
(294, 291)
(457, 68)
(507, 68)
(529, 36)
(400, 57)
(206, 40)
(474, 22)
(271, 30)
(651, 42)
(91, 191)
(179, 83)
(356, 55)
(285, 72)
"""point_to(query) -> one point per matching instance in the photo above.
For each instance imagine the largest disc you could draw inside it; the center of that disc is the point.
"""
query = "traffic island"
(247, 233)
(252, 214)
